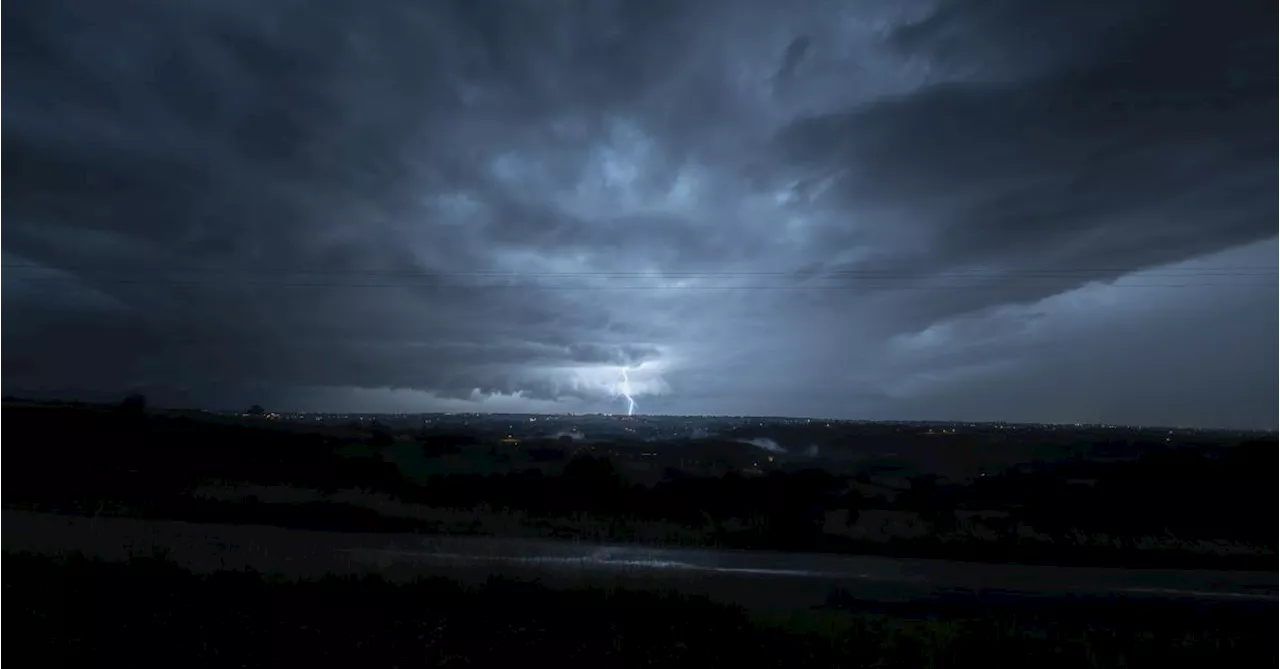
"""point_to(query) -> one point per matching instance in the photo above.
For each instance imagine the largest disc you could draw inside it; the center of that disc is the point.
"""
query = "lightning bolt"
(626, 392)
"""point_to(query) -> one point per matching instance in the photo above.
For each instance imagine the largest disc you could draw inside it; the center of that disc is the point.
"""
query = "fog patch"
(764, 444)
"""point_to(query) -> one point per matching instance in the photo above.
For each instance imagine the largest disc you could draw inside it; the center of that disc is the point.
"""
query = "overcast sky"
(1006, 210)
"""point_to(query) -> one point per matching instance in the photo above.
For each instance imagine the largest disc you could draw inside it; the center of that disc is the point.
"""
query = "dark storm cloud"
(1147, 137)
(794, 56)
(219, 138)
(755, 207)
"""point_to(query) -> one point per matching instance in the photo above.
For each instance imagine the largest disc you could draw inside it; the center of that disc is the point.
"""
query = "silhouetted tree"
(796, 505)
(546, 454)
(256, 410)
(591, 483)
(852, 501)
(926, 497)
(922, 496)
(134, 404)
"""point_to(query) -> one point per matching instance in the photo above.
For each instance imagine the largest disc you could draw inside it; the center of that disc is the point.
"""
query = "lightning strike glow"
(626, 392)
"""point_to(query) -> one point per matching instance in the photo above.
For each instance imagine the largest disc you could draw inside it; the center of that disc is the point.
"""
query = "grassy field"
(148, 612)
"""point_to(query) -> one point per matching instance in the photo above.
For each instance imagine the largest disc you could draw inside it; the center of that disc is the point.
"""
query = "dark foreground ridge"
(1041, 495)
(74, 610)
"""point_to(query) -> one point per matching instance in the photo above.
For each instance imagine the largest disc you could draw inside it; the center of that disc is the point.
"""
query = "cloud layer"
(1003, 210)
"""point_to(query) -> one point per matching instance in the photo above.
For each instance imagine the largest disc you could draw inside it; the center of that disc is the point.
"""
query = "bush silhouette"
(134, 404)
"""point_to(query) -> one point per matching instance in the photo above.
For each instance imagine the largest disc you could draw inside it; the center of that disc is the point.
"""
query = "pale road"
(756, 579)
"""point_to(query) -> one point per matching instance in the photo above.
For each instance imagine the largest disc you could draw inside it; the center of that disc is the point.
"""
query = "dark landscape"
(71, 610)
(635, 506)
(677, 333)
(1067, 495)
